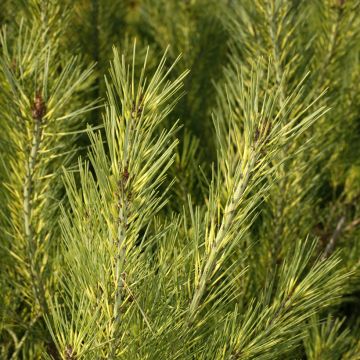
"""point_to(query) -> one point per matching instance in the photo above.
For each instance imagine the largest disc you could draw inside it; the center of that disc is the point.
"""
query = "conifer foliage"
(180, 179)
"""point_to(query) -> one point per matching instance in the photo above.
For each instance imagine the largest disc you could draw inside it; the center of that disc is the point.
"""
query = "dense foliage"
(180, 179)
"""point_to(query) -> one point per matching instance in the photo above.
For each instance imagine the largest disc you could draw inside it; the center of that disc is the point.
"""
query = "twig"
(332, 241)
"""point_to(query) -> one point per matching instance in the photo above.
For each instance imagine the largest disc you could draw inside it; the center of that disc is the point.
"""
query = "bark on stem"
(122, 224)
(28, 194)
(332, 241)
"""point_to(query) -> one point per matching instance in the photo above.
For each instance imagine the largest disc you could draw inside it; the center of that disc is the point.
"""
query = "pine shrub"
(180, 179)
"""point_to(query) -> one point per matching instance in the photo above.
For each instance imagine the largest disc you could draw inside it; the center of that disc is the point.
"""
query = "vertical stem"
(121, 236)
(122, 224)
(28, 194)
(279, 73)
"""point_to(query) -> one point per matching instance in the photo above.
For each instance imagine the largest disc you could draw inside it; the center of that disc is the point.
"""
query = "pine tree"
(179, 179)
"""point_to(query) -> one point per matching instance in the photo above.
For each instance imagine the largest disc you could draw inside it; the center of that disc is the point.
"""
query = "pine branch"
(121, 199)
(227, 222)
(264, 137)
(39, 111)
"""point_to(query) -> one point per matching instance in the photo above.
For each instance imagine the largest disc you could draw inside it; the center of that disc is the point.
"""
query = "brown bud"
(38, 109)
(70, 354)
(126, 174)
(139, 111)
